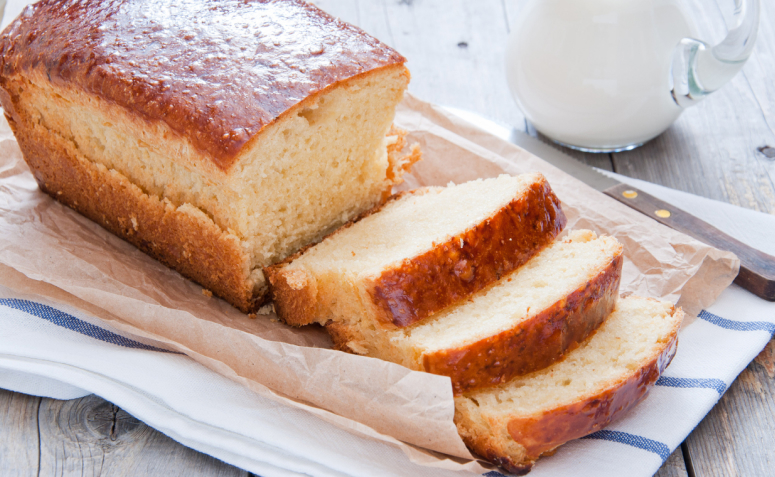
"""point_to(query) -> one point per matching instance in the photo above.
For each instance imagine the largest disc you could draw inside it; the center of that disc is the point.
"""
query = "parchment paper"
(51, 253)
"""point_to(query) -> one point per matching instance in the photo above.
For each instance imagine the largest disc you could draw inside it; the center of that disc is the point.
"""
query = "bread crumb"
(252, 316)
(357, 347)
(207, 292)
(296, 279)
(267, 309)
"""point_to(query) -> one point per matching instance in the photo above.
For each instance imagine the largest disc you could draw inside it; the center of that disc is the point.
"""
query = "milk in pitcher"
(595, 74)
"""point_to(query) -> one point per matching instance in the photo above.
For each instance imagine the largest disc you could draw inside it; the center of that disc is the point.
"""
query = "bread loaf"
(418, 254)
(218, 137)
(523, 323)
(513, 424)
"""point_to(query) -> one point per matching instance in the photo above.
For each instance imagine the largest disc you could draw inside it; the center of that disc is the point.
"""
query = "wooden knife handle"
(757, 269)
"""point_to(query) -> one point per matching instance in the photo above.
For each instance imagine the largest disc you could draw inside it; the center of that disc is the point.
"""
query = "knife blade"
(757, 269)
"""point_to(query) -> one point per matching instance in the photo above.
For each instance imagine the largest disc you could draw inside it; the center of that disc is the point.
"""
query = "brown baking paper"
(50, 253)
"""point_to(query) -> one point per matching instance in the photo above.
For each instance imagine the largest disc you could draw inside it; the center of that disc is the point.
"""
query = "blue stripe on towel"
(737, 325)
(623, 438)
(707, 383)
(70, 322)
(632, 440)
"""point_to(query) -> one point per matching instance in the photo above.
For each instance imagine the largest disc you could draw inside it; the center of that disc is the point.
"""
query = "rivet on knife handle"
(757, 269)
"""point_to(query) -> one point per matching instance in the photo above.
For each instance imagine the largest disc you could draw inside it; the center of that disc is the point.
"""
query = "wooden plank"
(18, 434)
(758, 73)
(90, 436)
(736, 439)
(673, 466)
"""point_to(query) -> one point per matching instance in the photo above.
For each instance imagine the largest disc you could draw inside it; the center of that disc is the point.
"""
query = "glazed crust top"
(215, 71)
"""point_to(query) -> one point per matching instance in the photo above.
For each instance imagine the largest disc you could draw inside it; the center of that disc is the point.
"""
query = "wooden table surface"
(723, 149)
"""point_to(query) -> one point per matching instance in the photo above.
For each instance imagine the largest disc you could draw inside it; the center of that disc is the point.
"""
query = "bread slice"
(523, 323)
(513, 424)
(420, 253)
(218, 138)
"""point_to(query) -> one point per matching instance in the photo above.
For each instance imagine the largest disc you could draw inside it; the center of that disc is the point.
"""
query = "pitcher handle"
(699, 69)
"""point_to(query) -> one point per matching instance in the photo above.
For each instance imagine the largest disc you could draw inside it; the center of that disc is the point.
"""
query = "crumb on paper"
(252, 316)
(267, 309)
(207, 293)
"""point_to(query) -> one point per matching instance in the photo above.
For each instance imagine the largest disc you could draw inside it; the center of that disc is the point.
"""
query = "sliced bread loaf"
(523, 323)
(418, 254)
(513, 424)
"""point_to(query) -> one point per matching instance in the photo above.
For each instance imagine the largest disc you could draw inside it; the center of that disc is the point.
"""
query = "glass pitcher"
(608, 75)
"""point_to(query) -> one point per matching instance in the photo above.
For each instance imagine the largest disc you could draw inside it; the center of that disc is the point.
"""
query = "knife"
(757, 269)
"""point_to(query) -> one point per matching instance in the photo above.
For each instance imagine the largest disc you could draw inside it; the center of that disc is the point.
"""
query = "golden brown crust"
(183, 239)
(471, 261)
(540, 434)
(490, 443)
(535, 343)
(227, 70)
(293, 294)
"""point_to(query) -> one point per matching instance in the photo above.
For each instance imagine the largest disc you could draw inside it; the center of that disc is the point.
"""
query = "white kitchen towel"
(48, 349)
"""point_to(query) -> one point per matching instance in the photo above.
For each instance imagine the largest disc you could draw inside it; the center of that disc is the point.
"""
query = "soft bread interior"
(410, 225)
(303, 176)
(544, 280)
